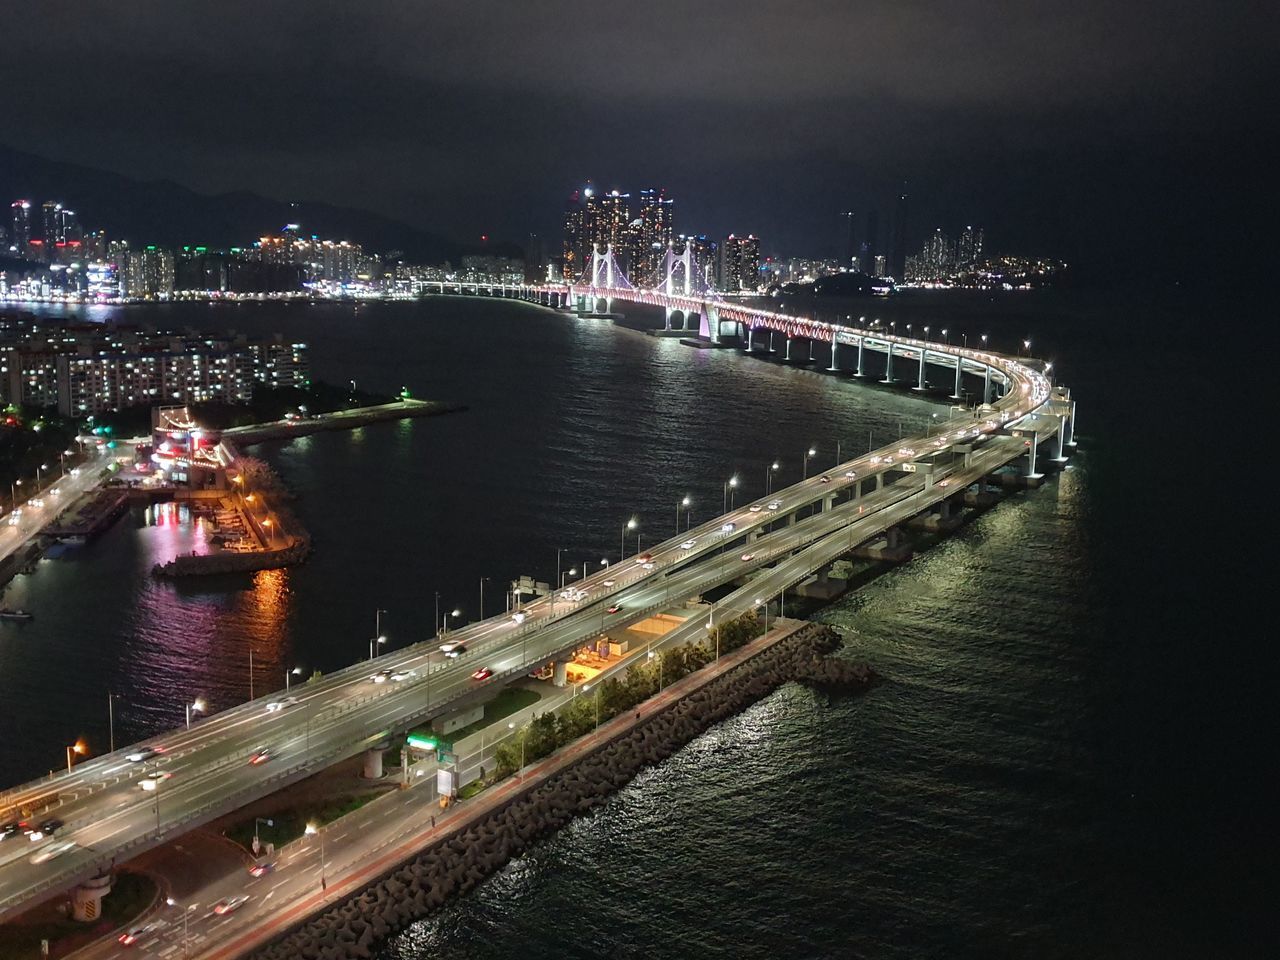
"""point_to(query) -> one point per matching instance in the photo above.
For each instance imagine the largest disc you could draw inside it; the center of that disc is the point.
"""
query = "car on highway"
(382, 676)
(609, 583)
(573, 595)
(453, 649)
(15, 518)
(689, 544)
(875, 460)
(755, 508)
(518, 617)
(647, 565)
(143, 754)
(262, 868)
(851, 474)
(824, 479)
(275, 706)
(728, 527)
(260, 756)
(484, 673)
(53, 851)
(401, 675)
(135, 934)
(644, 558)
(46, 829)
(36, 503)
(748, 556)
(12, 828)
(775, 504)
(617, 607)
(153, 780)
(230, 904)
(906, 452)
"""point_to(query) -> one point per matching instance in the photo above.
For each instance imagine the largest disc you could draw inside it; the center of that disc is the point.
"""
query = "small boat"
(7, 614)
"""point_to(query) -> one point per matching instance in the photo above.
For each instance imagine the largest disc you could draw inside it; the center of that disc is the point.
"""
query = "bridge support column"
(880, 480)
(788, 355)
(1057, 446)
(986, 386)
(893, 538)
(921, 386)
(858, 372)
(955, 393)
(811, 351)
(373, 762)
(668, 313)
(608, 304)
(86, 899)
(835, 357)
(888, 366)
(1070, 437)
(560, 674)
(751, 332)
(771, 349)
(1031, 456)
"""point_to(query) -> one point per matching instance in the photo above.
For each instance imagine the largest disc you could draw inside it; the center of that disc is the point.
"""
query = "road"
(57, 496)
(109, 817)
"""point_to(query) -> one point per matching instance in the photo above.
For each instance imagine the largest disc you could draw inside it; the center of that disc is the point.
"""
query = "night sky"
(1114, 135)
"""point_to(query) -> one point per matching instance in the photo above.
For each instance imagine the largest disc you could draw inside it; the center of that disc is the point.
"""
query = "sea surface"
(1065, 757)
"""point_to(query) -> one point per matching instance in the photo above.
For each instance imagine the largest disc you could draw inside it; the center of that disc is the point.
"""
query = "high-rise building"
(898, 249)
(969, 250)
(21, 210)
(850, 239)
(608, 221)
(575, 237)
(655, 231)
(739, 263)
(146, 274)
(869, 249)
(54, 227)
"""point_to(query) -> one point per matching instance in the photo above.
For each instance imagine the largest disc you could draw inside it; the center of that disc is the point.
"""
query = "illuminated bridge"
(760, 548)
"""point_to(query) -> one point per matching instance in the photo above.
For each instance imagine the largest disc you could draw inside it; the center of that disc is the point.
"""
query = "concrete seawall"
(344, 420)
(510, 817)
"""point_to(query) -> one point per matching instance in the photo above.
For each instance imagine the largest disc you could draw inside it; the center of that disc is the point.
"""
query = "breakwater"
(342, 420)
(467, 856)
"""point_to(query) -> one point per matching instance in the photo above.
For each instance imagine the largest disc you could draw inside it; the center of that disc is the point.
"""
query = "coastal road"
(209, 770)
(57, 496)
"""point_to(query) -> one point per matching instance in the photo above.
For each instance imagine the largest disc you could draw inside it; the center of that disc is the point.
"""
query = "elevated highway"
(774, 543)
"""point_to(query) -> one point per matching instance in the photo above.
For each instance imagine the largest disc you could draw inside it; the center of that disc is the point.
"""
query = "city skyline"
(1049, 127)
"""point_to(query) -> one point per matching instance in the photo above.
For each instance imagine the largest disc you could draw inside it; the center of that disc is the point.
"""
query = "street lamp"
(186, 912)
(295, 672)
(483, 580)
(944, 335)
(1026, 345)
(768, 476)
(629, 525)
(76, 749)
(271, 530)
(378, 637)
(726, 500)
(450, 613)
(685, 504)
(13, 492)
(311, 830)
(257, 843)
(809, 455)
(571, 572)
(559, 550)
(196, 707)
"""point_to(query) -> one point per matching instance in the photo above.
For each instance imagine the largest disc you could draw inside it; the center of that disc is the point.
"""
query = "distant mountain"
(168, 214)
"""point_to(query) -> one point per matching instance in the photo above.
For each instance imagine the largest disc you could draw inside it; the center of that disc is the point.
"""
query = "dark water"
(1065, 756)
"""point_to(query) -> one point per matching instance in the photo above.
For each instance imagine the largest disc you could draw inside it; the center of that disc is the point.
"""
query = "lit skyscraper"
(739, 263)
(608, 221)
(575, 237)
(21, 210)
(969, 250)
(656, 222)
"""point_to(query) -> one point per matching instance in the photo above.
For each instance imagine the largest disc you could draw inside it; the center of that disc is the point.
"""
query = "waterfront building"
(654, 232)
(21, 216)
(739, 263)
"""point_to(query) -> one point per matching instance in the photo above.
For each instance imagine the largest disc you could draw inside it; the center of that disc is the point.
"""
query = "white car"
(401, 675)
(755, 508)
(142, 754)
(875, 460)
(382, 676)
(275, 706)
(607, 583)
(36, 503)
(452, 648)
(775, 504)
(230, 904)
(15, 518)
(687, 545)
(728, 527)
(850, 474)
(52, 851)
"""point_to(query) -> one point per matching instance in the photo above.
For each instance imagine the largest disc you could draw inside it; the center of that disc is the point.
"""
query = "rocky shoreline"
(455, 865)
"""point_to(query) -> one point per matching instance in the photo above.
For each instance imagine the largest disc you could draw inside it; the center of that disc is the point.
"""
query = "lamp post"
(379, 637)
(111, 718)
(1026, 345)
(186, 912)
(629, 525)
(765, 606)
(685, 504)
(729, 486)
(257, 843)
(13, 492)
(195, 707)
(455, 613)
(77, 748)
(482, 583)
(809, 455)
(312, 830)
(587, 686)
(295, 672)
(271, 530)
(559, 550)
(768, 476)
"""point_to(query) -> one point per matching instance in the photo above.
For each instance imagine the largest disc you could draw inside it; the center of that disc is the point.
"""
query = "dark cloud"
(1044, 121)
